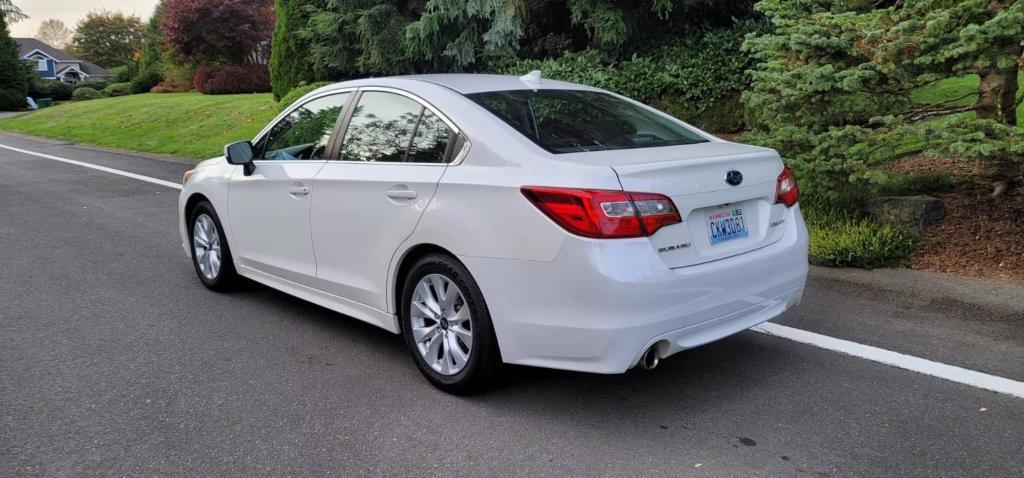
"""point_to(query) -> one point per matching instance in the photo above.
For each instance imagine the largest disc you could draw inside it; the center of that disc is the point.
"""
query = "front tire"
(211, 254)
(447, 326)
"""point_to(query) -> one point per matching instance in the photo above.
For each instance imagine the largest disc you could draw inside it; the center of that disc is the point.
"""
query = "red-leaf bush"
(226, 80)
(218, 31)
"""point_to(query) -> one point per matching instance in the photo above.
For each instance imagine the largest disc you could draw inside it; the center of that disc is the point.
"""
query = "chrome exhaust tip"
(651, 358)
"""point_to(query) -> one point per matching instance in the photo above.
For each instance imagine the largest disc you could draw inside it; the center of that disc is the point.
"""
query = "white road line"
(105, 169)
(867, 352)
(896, 359)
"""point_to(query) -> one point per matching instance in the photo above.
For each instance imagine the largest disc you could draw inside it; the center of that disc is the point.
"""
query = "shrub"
(173, 85)
(97, 85)
(299, 92)
(118, 89)
(146, 80)
(224, 80)
(841, 239)
(85, 93)
(54, 89)
(697, 78)
(121, 74)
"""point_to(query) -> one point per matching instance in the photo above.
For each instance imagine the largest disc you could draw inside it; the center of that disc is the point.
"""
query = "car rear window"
(572, 121)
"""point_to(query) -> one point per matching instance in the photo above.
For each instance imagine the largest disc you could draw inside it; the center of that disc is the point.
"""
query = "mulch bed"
(978, 237)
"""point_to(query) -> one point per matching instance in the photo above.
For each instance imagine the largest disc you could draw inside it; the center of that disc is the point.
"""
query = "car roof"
(468, 83)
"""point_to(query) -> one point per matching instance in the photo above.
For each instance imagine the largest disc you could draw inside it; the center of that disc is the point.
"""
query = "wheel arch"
(404, 265)
(192, 202)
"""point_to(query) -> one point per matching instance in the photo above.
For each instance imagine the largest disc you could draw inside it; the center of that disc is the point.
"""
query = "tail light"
(786, 192)
(602, 213)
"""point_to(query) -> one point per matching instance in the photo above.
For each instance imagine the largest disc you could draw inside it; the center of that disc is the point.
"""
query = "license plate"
(726, 224)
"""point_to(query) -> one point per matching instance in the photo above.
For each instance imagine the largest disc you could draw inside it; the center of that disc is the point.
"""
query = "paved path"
(114, 360)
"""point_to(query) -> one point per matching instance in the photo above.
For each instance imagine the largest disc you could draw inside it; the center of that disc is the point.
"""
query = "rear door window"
(571, 121)
(392, 128)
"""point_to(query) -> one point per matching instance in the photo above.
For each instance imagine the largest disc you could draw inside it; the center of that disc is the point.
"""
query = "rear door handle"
(402, 194)
(298, 190)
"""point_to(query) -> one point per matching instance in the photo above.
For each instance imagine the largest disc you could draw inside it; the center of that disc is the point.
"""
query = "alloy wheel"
(441, 325)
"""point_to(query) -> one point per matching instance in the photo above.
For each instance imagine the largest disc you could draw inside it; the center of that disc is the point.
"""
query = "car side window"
(430, 142)
(305, 132)
(381, 128)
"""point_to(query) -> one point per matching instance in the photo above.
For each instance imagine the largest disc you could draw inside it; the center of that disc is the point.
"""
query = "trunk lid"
(719, 219)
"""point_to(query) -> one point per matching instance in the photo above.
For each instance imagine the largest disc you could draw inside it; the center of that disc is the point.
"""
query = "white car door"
(269, 209)
(393, 153)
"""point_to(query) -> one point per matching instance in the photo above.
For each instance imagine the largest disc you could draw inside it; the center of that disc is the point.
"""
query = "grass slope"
(190, 125)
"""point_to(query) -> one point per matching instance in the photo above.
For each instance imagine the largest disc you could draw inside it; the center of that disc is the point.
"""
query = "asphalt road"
(114, 360)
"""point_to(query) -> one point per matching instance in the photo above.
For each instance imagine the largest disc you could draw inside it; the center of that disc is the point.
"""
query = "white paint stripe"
(97, 167)
(875, 354)
(895, 359)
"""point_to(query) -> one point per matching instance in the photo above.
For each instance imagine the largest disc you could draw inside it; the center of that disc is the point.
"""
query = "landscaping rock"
(912, 212)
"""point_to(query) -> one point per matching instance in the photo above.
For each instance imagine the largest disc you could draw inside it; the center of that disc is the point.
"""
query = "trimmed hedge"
(226, 80)
(98, 85)
(299, 92)
(54, 89)
(118, 89)
(146, 80)
(85, 93)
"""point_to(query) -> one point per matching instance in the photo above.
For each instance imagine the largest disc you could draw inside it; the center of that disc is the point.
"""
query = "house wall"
(50, 70)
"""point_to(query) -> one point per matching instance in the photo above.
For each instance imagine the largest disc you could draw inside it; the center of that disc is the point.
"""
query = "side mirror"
(241, 153)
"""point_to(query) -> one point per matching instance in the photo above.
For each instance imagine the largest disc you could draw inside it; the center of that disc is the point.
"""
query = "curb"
(934, 289)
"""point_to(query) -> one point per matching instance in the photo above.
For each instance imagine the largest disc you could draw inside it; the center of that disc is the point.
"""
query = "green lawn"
(956, 87)
(190, 125)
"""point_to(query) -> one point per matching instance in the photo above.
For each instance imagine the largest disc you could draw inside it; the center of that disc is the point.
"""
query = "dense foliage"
(96, 84)
(288, 65)
(832, 89)
(53, 89)
(299, 92)
(13, 80)
(218, 32)
(108, 39)
(840, 239)
(685, 77)
(86, 93)
(118, 89)
(350, 38)
(154, 50)
(223, 80)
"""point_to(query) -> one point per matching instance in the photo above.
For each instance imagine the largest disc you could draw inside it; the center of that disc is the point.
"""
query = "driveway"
(114, 360)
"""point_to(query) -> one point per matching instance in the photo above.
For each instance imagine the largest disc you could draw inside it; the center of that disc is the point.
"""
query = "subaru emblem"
(734, 177)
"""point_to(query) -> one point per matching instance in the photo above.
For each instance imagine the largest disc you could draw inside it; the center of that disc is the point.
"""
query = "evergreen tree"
(832, 90)
(288, 56)
(13, 82)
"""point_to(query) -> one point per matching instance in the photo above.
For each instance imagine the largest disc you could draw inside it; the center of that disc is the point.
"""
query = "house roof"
(29, 45)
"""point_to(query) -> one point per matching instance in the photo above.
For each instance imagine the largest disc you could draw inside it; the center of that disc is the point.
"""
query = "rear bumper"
(601, 303)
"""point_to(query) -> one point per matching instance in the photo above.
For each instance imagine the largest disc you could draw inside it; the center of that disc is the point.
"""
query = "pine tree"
(13, 82)
(288, 53)
(833, 85)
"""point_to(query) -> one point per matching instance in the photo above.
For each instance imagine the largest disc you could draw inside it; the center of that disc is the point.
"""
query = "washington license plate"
(726, 224)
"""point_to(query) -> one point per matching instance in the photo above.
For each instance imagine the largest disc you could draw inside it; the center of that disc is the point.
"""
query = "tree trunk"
(997, 94)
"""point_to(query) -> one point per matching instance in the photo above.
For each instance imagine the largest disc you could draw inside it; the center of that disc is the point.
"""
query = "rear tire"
(211, 255)
(447, 326)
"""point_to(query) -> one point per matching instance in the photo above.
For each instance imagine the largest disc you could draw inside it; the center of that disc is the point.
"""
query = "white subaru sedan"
(501, 219)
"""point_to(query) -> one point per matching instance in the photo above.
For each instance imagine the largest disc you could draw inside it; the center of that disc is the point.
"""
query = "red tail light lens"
(787, 192)
(602, 213)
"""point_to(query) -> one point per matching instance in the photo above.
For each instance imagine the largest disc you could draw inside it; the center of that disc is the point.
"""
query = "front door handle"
(299, 190)
(402, 194)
